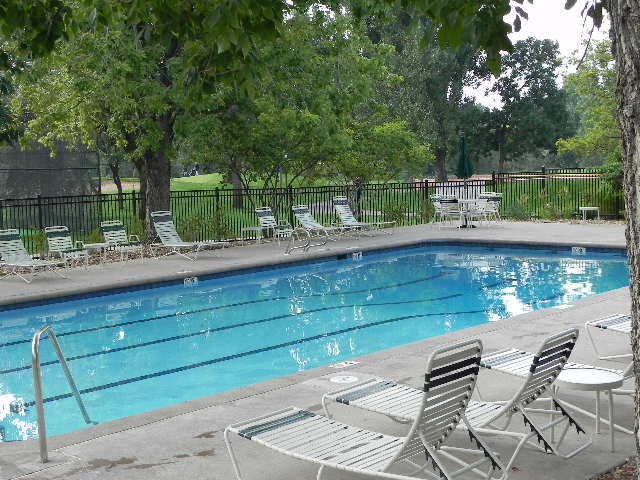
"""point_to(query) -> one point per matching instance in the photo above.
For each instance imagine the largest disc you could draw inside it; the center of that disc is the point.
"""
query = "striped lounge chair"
(169, 238)
(402, 402)
(450, 378)
(15, 257)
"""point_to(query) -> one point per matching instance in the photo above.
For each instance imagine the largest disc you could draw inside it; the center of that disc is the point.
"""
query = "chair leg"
(234, 461)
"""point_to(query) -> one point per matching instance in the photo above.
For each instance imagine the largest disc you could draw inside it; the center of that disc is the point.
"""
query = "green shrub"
(394, 212)
(516, 211)
(426, 210)
(198, 227)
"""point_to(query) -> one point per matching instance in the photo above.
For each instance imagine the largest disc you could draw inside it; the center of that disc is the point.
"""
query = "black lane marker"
(229, 305)
(243, 354)
(227, 327)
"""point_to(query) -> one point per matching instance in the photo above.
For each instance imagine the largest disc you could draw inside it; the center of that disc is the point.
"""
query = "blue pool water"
(140, 350)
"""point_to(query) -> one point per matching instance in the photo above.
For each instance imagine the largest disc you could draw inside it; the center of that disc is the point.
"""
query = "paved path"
(185, 441)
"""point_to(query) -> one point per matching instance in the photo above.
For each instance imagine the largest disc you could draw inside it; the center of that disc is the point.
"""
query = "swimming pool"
(137, 351)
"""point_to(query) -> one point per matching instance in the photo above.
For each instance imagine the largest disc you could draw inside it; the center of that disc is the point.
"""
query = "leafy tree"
(594, 88)
(382, 151)
(534, 112)
(431, 95)
(310, 114)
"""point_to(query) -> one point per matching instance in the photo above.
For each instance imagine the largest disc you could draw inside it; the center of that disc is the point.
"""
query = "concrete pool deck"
(185, 440)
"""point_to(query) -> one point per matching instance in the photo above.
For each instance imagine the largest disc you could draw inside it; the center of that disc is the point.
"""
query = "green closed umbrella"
(465, 165)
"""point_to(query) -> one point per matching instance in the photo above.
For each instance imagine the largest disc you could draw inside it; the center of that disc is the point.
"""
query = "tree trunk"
(441, 167)
(158, 190)
(502, 158)
(625, 36)
(441, 152)
(114, 166)
(236, 182)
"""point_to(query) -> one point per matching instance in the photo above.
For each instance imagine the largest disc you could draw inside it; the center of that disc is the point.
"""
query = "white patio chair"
(268, 222)
(348, 219)
(449, 211)
(401, 402)
(169, 238)
(62, 245)
(15, 257)
(450, 378)
(492, 205)
(116, 238)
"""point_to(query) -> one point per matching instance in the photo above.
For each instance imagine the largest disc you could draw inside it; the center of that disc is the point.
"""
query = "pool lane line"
(243, 354)
(226, 327)
(229, 305)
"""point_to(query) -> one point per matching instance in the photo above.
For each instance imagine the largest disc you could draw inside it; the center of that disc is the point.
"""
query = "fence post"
(133, 203)
(544, 177)
(39, 203)
(290, 204)
(358, 197)
(494, 186)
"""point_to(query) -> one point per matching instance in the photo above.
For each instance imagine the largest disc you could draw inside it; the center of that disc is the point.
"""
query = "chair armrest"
(134, 238)
(79, 244)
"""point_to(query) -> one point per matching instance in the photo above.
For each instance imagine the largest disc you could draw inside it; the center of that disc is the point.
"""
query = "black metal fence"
(223, 213)
(557, 193)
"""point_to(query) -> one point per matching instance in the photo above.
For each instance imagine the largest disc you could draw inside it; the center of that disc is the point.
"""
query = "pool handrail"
(37, 385)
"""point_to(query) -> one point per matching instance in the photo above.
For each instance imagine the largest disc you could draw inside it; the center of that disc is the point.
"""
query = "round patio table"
(592, 379)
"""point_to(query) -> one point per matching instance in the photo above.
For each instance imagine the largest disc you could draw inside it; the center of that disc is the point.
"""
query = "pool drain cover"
(343, 379)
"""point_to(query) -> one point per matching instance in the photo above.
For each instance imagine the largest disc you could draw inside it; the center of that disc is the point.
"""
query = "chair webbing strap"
(496, 362)
(275, 424)
(610, 322)
(365, 391)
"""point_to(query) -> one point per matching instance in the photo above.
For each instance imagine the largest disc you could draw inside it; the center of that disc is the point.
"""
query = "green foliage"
(198, 228)
(516, 211)
(431, 96)
(395, 212)
(94, 236)
(534, 110)
(613, 174)
(594, 86)
(39, 240)
(382, 152)
(426, 210)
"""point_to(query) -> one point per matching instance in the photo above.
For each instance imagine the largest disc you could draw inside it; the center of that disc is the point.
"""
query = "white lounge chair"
(15, 257)
(450, 378)
(315, 229)
(618, 323)
(402, 402)
(116, 238)
(268, 222)
(348, 219)
(62, 245)
(169, 238)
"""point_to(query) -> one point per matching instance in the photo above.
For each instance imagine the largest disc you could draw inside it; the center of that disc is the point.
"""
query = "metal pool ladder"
(37, 385)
